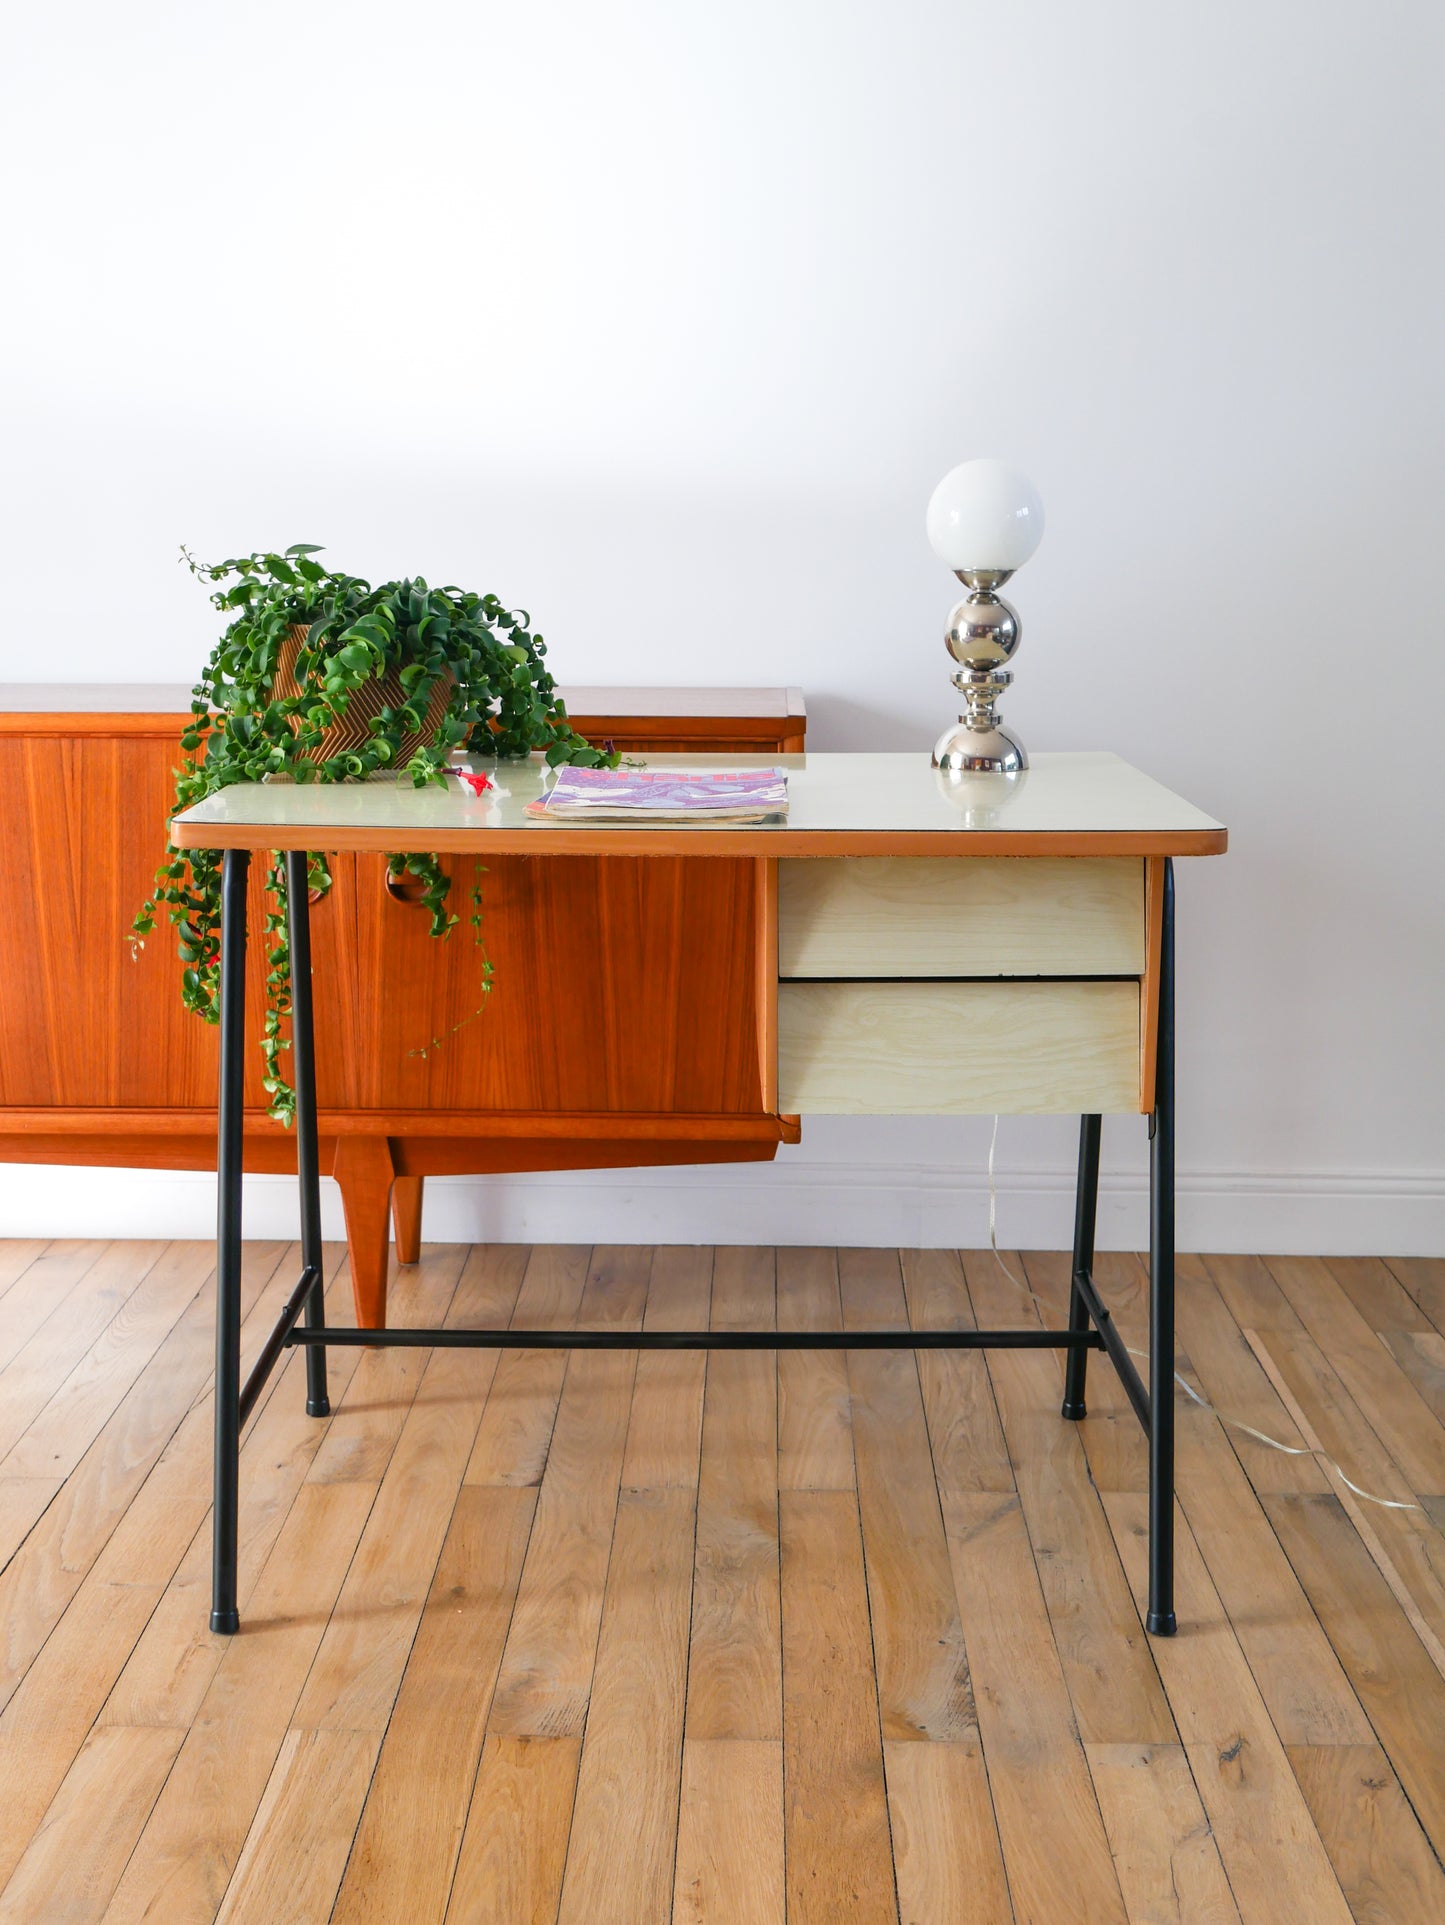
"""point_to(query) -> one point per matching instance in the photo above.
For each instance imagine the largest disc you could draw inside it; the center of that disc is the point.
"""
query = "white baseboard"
(1327, 1213)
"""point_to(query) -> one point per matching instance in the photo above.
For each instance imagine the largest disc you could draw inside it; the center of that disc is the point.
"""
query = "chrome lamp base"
(969, 750)
(982, 637)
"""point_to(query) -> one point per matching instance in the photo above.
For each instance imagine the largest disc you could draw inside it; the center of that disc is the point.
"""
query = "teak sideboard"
(614, 1034)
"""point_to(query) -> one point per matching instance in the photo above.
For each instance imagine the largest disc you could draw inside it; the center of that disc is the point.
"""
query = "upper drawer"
(881, 916)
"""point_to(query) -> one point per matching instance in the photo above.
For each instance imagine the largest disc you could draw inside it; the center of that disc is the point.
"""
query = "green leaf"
(304, 548)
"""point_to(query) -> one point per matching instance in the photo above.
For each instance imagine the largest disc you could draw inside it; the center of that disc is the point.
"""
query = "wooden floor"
(824, 1637)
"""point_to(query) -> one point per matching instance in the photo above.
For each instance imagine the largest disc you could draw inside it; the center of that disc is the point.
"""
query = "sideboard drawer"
(959, 1048)
(869, 916)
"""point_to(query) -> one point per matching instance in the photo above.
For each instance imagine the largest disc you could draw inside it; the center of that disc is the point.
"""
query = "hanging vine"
(442, 669)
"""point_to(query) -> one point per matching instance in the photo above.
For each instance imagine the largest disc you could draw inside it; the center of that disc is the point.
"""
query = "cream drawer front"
(873, 916)
(952, 1049)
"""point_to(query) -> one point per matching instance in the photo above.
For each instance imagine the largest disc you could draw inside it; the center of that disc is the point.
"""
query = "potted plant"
(320, 677)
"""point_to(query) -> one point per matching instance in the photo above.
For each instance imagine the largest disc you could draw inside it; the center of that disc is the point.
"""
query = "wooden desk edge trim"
(765, 944)
(626, 719)
(1149, 986)
(614, 841)
(629, 1125)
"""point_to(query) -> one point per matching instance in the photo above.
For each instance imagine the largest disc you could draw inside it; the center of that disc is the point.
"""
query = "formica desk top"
(842, 804)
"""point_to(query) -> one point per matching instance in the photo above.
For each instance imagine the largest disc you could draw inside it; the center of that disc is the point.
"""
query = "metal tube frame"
(302, 1323)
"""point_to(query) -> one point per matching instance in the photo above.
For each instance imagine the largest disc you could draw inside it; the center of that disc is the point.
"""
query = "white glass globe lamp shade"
(984, 520)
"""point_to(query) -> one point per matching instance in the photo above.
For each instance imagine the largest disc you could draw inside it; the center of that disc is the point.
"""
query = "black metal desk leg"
(235, 864)
(303, 1070)
(1086, 1210)
(1161, 1620)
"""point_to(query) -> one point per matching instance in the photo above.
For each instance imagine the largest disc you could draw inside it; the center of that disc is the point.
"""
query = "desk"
(932, 948)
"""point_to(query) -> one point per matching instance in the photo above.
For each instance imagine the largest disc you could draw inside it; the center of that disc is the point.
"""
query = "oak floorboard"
(23, 1502)
(730, 1834)
(628, 1778)
(1277, 1866)
(1424, 1279)
(48, 1282)
(188, 1849)
(100, 1609)
(1301, 1680)
(1405, 1543)
(1380, 1854)
(1308, 1696)
(1391, 1671)
(918, 1645)
(354, 1679)
(294, 1853)
(509, 1871)
(837, 1844)
(406, 1847)
(1376, 1292)
(1421, 1355)
(1228, 1372)
(16, 1256)
(1164, 1851)
(667, 1393)
(516, 1428)
(1403, 1421)
(965, 1436)
(42, 1365)
(362, 1434)
(1030, 1742)
(735, 1686)
(78, 1851)
(57, 1439)
(946, 1854)
(545, 1680)
(815, 1439)
(1108, 1665)
(167, 1674)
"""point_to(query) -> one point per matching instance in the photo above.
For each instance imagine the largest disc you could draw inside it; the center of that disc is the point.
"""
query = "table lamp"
(985, 519)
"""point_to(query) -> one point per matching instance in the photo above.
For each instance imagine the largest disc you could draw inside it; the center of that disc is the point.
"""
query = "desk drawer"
(958, 1049)
(879, 917)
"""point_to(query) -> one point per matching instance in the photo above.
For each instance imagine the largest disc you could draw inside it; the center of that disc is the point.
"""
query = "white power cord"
(1235, 1423)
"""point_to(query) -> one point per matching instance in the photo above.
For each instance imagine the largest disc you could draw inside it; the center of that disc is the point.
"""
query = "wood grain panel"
(836, 1815)
(730, 1834)
(958, 1049)
(634, 991)
(889, 917)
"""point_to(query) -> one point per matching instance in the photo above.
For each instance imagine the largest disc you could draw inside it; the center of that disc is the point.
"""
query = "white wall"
(663, 319)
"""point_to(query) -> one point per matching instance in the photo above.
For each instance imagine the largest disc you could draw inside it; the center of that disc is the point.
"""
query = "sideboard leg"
(406, 1217)
(1161, 1620)
(1086, 1210)
(363, 1168)
(234, 867)
(308, 1161)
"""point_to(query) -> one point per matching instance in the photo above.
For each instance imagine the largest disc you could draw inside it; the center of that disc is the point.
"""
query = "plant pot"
(350, 731)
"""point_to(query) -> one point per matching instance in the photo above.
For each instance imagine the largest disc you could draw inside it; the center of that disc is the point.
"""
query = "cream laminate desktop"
(839, 804)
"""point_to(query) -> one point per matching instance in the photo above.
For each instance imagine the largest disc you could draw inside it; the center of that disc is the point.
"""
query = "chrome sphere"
(963, 751)
(983, 632)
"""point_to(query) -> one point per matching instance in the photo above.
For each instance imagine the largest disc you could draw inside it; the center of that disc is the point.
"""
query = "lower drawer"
(958, 1049)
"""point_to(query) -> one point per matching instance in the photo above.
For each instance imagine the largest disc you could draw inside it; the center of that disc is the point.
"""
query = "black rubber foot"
(318, 1406)
(227, 1623)
(1073, 1411)
(1161, 1624)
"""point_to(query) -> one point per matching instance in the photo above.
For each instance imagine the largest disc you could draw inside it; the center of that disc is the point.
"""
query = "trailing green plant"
(468, 674)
